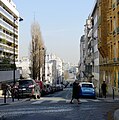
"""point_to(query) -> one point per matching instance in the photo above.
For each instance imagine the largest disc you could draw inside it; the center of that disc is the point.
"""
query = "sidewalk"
(9, 100)
(111, 98)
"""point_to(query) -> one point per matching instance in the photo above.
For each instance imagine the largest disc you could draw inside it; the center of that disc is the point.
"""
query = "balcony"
(114, 59)
(114, 32)
(113, 6)
(117, 2)
(117, 30)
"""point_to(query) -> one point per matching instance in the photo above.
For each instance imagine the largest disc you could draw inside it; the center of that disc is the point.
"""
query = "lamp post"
(44, 65)
(14, 66)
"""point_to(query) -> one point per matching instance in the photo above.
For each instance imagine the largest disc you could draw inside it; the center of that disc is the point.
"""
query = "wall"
(8, 75)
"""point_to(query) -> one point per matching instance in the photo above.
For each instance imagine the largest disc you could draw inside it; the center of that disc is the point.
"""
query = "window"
(111, 52)
(114, 23)
(118, 18)
(87, 85)
(114, 50)
(111, 26)
(118, 49)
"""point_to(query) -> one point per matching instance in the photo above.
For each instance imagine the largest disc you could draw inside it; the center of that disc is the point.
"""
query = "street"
(57, 107)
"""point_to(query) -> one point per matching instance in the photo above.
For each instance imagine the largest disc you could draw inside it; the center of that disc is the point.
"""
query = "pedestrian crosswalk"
(53, 100)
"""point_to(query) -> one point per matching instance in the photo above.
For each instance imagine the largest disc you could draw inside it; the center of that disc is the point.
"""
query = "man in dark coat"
(75, 91)
(103, 87)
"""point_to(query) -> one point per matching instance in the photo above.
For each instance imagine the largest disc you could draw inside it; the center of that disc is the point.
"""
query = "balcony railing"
(117, 2)
(114, 32)
(114, 59)
(117, 30)
(113, 6)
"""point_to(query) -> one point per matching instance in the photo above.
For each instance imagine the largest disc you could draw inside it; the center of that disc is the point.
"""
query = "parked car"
(28, 87)
(87, 90)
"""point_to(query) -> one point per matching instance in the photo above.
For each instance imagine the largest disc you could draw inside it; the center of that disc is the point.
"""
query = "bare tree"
(36, 50)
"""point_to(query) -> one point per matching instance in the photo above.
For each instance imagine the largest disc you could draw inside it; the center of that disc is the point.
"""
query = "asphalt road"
(57, 107)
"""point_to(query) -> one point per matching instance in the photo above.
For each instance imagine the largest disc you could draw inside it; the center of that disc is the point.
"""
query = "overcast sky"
(61, 23)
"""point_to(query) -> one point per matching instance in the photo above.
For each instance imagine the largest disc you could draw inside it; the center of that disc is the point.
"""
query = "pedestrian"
(75, 92)
(8, 90)
(104, 89)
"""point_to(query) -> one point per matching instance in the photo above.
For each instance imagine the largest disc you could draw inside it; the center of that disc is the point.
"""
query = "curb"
(19, 101)
(1, 117)
(116, 115)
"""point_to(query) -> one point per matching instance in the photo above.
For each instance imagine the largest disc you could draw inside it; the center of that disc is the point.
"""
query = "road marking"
(58, 99)
(96, 100)
(54, 101)
(38, 102)
(83, 100)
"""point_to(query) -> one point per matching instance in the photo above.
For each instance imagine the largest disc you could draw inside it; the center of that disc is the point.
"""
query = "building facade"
(95, 51)
(24, 66)
(54, 69)
(9, 30)
(82, 53)
(108, 42)
(9, 40)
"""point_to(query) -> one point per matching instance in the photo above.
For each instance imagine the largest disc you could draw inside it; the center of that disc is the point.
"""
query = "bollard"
(5, 95)
(99, 93)
(12, 94)
(18, 93)
(113, 93)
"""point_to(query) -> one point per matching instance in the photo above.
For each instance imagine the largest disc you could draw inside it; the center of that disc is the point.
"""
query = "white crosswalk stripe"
(38, 102)
(57, 100)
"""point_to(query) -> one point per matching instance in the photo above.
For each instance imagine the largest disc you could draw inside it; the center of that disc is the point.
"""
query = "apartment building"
(88, 47)
(82, 53)
(9, 30)
(54, 69)
(89, 54)
(94, 44)
(108, 45)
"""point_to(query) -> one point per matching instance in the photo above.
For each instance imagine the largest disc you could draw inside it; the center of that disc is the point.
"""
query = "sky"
(61, 25)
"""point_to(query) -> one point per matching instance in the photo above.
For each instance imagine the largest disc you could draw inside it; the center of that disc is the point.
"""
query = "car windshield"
(87, 85)
(25, 82)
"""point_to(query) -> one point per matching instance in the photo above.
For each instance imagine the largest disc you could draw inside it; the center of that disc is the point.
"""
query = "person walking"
(104, 89)
(75, 92)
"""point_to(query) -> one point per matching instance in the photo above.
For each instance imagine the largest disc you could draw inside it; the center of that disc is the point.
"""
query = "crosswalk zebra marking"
(57, 100)
(38, 102)
(96, 100)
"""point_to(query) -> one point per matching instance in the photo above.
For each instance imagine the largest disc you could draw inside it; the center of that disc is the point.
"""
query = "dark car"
(28, 87)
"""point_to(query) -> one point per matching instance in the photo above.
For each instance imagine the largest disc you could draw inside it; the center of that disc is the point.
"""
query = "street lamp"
(14, 66)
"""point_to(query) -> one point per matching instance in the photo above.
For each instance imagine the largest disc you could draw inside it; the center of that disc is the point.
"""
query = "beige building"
(108, 42)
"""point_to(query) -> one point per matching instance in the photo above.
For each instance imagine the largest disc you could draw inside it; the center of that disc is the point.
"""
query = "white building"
(24, 66)
(9, 30)
(9, 37)
(53, 69)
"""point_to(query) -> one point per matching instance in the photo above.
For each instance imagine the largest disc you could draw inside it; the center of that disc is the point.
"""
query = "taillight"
(31, 86)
